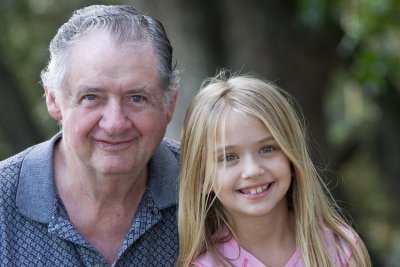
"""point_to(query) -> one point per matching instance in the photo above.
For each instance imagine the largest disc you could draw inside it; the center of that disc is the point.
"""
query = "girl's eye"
(267, 149)
(228, 157)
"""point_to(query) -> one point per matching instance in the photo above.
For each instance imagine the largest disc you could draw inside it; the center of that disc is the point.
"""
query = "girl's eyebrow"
(220, 149)
(267, 139)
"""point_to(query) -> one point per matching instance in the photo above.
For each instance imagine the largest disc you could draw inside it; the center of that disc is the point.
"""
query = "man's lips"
(114, 144)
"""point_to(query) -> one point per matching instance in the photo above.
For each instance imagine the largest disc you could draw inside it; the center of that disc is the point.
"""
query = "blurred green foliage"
(363, 107)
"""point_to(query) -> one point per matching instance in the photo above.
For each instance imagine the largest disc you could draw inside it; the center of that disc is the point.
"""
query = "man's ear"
(172, 104)
(53, 106)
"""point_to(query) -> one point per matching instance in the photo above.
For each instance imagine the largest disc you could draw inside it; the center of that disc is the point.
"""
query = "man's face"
(112, 113)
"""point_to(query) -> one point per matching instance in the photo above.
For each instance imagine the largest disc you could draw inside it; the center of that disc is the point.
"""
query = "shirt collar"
(163, 177)
(36, 193)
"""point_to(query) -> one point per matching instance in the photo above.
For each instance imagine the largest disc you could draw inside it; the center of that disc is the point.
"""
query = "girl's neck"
(271, 239)
(265, 229)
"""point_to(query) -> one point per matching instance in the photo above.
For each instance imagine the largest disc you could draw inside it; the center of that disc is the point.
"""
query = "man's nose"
(115, 119)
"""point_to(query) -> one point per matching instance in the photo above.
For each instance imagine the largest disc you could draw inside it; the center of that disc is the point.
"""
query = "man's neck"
(101, 208)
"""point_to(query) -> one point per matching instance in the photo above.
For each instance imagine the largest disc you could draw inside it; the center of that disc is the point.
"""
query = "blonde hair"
(201, 215)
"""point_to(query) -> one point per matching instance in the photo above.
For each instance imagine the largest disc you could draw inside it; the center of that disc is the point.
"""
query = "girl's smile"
(256, 192)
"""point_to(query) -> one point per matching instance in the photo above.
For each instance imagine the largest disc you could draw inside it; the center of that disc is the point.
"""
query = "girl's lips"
(255, 190)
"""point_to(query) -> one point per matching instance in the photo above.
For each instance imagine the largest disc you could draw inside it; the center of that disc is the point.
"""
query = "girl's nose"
(252, 168)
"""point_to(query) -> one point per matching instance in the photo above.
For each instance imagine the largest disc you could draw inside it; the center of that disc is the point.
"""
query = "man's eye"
(137, 98)
(90, 97)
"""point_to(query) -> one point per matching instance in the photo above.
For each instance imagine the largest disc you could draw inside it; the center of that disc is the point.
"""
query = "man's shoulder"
(23, 164)
(173, 146)
(10, 167)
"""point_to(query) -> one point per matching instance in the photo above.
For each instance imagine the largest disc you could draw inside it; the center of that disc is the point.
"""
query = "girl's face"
(253, 174)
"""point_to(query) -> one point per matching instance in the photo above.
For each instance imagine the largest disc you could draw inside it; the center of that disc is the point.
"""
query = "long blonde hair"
(201, 215)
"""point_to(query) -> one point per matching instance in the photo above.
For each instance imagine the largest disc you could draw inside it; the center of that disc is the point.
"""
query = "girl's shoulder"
(232, 253)
(229, 249)
(332, 237)
(205, 260)
(339, 246)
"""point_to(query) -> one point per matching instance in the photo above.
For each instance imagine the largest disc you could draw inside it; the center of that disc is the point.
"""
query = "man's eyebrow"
(94, 89)
(146, 91)
(141, 89)
(88, 89)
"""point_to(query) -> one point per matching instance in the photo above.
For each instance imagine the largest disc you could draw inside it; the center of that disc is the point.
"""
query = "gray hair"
(125, 24)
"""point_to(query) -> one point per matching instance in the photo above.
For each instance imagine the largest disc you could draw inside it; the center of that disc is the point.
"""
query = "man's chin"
(112, 168)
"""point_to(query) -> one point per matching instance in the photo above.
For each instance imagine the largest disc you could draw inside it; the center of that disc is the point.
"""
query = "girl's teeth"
(257, 190)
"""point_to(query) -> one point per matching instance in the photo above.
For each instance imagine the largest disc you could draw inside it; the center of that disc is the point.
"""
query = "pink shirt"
(242, 258)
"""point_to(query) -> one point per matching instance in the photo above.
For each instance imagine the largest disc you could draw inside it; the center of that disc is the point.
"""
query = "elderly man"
(103, 191)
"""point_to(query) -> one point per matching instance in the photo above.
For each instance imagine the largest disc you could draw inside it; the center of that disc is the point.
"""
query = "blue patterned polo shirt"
(35, 229)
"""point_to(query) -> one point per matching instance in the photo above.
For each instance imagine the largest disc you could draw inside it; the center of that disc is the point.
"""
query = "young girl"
(249, 193)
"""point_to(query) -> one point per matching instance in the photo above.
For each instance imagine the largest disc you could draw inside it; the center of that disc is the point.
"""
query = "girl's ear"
(53, 106)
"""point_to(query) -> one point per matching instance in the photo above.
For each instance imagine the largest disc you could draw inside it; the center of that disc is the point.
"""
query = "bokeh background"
(339, 58)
